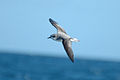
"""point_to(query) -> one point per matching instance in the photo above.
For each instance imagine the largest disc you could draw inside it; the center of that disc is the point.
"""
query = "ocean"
(33, 67)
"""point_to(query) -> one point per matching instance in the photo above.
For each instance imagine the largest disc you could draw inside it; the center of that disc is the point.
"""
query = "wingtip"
(72, 60)
(52, 21)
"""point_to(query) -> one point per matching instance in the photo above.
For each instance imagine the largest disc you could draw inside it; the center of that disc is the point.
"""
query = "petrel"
(63, 37)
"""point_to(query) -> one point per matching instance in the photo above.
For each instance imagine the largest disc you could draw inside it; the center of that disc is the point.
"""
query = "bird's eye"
(53, 36)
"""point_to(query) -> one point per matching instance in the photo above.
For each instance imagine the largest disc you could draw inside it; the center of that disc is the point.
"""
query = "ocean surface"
(28, 67)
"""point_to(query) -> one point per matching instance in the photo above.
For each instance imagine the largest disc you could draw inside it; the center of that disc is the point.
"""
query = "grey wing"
(68, 49)
(55, 24)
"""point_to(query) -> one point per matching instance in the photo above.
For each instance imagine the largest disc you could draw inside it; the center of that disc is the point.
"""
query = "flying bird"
(63, 37)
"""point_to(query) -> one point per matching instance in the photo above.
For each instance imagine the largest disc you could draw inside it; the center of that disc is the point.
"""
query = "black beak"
(49, 37)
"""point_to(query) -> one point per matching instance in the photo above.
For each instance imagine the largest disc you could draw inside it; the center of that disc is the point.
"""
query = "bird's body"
(62, 36)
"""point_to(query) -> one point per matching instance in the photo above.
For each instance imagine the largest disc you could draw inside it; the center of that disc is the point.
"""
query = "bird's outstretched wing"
(68, 49)
(55, 24)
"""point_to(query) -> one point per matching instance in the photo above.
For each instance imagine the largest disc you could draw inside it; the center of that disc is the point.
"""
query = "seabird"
(64, 38)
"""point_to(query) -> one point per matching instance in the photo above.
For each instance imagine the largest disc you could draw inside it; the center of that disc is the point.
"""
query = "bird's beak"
(49, 37)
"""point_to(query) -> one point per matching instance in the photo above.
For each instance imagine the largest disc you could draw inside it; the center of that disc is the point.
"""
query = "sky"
(24, 27)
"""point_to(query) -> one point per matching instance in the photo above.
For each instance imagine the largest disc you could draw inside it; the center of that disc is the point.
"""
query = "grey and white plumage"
(64, 38)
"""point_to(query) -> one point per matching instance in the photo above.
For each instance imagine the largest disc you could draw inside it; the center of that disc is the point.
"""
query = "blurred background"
(24, 28)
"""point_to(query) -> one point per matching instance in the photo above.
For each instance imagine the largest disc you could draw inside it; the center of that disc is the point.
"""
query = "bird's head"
(53, 36)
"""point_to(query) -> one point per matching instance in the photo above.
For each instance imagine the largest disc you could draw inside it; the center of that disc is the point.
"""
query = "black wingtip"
(72, 60)
(52, 21)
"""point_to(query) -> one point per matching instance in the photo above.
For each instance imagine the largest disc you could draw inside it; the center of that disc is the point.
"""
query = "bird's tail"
(75, 40)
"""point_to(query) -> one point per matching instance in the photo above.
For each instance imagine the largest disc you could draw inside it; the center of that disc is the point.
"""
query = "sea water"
(27, 67)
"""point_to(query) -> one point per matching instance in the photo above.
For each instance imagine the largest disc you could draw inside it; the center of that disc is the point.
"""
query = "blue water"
(26, 67)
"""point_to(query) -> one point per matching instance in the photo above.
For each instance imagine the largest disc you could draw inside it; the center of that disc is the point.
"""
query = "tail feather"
(75, 40)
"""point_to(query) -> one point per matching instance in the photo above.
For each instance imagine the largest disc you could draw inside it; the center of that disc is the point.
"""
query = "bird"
(63, 37)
